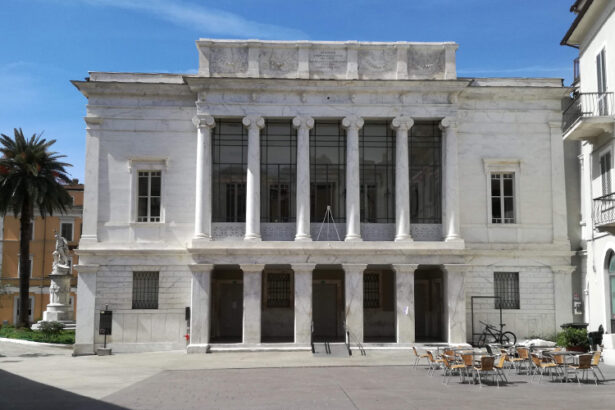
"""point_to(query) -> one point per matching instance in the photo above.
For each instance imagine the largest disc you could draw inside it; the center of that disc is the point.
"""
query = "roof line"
(576, 22)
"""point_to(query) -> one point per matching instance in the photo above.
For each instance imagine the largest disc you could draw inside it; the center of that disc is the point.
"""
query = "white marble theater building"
(209, 191)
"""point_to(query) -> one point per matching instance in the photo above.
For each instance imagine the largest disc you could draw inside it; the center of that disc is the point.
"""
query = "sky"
(46, 43)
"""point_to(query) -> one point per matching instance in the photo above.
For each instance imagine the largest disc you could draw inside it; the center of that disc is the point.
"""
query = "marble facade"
(165, 122)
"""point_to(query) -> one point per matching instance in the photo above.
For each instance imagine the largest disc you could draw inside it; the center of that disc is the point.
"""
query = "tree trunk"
(24, 264)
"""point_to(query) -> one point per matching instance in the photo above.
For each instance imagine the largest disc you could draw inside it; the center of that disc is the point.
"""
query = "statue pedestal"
(59, 308)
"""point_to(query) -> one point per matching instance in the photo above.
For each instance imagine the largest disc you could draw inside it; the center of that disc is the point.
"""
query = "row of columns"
(454, 303)
(401, 124)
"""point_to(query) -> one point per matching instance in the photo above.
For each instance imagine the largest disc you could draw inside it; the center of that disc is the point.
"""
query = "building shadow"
(17, 392)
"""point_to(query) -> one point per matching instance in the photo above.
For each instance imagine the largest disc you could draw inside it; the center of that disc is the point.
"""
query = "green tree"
(31, 177)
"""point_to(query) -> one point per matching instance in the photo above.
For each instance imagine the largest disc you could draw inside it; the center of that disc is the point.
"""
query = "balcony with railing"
(589, 115)
(604, 212)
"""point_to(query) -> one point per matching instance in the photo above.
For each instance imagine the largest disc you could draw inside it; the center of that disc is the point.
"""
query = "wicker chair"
(542, 367)
(499, 367)
(596, 363)
(450, 367)
(524, 357)
(419, 357)
(585, 364)
(434, 364)
(486, 367)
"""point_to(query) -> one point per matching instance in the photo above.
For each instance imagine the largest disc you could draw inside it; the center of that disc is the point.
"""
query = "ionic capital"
(253, 121)
(354, 268)
(203, 121)
(402, 123)
(300, 122)
(303, 267)
(352, 122)
(409, 268)
(201, 267)
(456, 268)
(448, 123)
(252, 267)
(563, 270)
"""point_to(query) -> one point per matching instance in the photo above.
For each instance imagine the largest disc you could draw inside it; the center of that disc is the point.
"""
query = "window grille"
(145, 290)
(502, 198)
(278, 290)
(371, 291)
(506, 286)
(149, 196)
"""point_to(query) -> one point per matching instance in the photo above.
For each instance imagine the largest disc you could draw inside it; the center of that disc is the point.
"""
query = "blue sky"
(46, 43)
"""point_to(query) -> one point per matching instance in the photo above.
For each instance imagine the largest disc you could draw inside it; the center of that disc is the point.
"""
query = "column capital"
(82, 269)
(352, 267)
(303, 267)
(563, 270)
(303, 122)
(352, 122)
(203, 121)
(252, 267)
(402, 123)
(447, 123)
(251, 121)
(201, 267)
(406, 268)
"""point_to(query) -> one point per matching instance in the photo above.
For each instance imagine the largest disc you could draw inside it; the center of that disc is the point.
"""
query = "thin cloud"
(204, 19)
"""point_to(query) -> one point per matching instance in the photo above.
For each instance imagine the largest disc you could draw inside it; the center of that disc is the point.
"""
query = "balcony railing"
(585, 105)
(604, 210)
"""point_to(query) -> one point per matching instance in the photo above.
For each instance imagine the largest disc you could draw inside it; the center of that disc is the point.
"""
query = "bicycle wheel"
(508, 338)
(486, 339)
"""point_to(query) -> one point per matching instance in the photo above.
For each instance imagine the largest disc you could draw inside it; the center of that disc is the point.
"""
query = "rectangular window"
(327, 171)
(66, 230)
(278, 171)
(605, 172)
(425, 151)
(145, 290)
(371, 290)
(377, 172)
(602, 86)
(149, 189)
(16, 309)
(229, 170)
(502, 198)
(506, 287)
(278, 290)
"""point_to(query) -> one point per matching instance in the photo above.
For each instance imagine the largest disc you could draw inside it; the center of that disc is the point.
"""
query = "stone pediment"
(327, 60)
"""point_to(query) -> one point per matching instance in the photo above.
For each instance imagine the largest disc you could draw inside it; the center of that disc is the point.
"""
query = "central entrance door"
(328, 305)
(428, 305)
(227, 306)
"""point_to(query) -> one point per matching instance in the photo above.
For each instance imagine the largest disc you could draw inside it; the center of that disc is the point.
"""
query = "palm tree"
(31, 177)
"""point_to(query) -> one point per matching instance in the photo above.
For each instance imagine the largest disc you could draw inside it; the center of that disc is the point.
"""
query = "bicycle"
(493, 335)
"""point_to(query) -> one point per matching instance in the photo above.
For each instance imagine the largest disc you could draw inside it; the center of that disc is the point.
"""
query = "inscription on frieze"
(328, 60)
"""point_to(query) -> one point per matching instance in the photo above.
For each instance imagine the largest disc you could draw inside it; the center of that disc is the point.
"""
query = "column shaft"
(353, 294)
(202, 205)
(253, 180)
(252, 294)
(353, 188)
(402, 178)
(404, 290)
(303, 125)
(200, 302)
(451, 181)
(303, 303)
(455, 303)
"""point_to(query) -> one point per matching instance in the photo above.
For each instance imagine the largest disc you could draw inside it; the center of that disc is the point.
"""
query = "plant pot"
(580, 349)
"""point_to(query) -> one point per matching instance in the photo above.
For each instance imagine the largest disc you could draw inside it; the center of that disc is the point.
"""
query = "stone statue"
(60, 255)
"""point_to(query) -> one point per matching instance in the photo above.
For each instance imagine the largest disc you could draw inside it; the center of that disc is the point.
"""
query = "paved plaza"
(50, 378)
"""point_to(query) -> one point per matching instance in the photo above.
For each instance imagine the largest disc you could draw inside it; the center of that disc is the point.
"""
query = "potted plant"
(573, 339)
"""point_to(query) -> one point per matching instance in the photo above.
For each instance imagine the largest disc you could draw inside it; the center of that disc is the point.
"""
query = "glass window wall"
(425, 150)
(230, 153)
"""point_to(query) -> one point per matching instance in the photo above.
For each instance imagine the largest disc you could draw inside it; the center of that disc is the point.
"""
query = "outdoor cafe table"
(566, 354)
